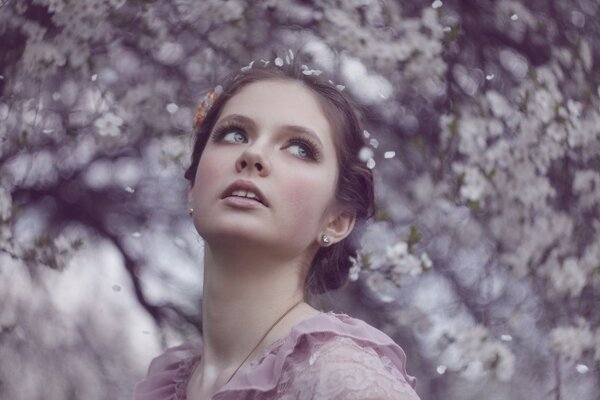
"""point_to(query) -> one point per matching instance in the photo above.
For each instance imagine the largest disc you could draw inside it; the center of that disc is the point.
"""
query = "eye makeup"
(302, 140)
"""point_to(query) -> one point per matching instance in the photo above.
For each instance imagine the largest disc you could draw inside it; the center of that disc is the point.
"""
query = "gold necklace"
(264, 336)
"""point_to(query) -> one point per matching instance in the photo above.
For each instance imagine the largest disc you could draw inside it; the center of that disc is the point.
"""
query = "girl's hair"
(330, 266)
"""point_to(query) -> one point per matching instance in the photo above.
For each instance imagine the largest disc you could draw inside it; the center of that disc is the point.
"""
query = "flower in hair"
(205, 105)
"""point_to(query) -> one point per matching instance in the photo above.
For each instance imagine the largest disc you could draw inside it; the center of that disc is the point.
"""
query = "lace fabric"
(328, 356)
(342, 369)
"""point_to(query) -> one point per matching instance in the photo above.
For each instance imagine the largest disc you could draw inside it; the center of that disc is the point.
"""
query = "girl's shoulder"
(168, 373)
(334, 356)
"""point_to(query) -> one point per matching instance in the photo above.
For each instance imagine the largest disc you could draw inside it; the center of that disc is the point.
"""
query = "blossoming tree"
(484, 136)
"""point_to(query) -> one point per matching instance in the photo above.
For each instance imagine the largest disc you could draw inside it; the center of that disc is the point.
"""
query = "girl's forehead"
(283, 102)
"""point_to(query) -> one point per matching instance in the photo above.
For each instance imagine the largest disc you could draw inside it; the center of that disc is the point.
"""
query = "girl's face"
(274, 134)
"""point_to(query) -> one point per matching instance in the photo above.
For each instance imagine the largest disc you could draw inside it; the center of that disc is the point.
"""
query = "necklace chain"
(264, 336)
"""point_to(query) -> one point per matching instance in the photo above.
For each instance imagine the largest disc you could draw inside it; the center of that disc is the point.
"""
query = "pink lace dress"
(326, 357)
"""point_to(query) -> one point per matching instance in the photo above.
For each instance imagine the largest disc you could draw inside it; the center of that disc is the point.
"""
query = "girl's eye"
(229, 132)
(234, 136)
(303, 149)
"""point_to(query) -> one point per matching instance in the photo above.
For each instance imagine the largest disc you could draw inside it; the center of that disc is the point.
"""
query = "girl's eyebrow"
(249, 122)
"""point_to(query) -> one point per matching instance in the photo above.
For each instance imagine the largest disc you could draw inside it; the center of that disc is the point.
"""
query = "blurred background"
(483, 123)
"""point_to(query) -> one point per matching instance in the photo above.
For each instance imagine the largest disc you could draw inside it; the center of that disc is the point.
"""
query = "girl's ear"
(340, 226)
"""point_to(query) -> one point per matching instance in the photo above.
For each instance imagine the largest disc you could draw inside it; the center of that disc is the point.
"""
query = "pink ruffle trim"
(169, 373)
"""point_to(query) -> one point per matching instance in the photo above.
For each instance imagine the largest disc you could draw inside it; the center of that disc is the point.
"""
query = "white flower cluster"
(569, 277)
(404, 263)
(509, 147)
(473, 353)
(417, 44)
(390, 261)
(474, 184)
(573, 342)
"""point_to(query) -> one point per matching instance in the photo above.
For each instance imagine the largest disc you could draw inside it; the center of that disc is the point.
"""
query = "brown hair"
(354, 193)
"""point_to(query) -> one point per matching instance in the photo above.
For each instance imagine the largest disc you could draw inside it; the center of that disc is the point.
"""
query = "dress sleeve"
(341, 369)
(167, 374)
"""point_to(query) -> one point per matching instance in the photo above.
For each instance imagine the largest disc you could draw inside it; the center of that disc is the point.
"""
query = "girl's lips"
(242, 202)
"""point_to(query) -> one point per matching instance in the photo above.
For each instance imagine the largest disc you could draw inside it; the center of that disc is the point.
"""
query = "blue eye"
(229, 132)
(303, 150)
(234, 136)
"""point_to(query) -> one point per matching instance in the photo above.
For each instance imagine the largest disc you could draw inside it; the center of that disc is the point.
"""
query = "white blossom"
(426, 261)
(42, 58)
(354, 271)
(569, 278)
(404, 263)
(473, 186)
(571, 341)
(109, 125)
(365, 154)
(474, 353)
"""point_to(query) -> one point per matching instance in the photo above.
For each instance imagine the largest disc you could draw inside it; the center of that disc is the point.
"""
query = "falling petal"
(247, 67)
(514, 17)
(389, 154)
(136, 234)
(307, 72)
(441, 369)
(330, 81)
(340, 87)
(291, 54)
(447, 29)
(304, 66)
(365, 154)
(374, 142)
(582, 368)
(489, 77)
(436, 4)
(172, 108)
(94, 77)
(48, 130)
(506, 338)
(129, 189)
(279, 62)
(287, 60)
(366, 134)
(371, 163)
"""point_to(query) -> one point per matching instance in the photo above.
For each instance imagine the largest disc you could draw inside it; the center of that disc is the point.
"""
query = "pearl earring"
(325, 239)
(191, 211)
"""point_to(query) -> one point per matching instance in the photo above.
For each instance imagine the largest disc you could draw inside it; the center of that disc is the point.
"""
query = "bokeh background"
(483, 122)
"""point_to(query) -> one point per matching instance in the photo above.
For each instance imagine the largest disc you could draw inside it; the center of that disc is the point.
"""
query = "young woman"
(276, 189)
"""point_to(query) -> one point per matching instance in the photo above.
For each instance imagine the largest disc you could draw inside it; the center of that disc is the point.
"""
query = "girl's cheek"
(208, 169)
(305, 197)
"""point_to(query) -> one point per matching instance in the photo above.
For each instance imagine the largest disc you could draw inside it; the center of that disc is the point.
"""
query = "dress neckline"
(190, 367)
